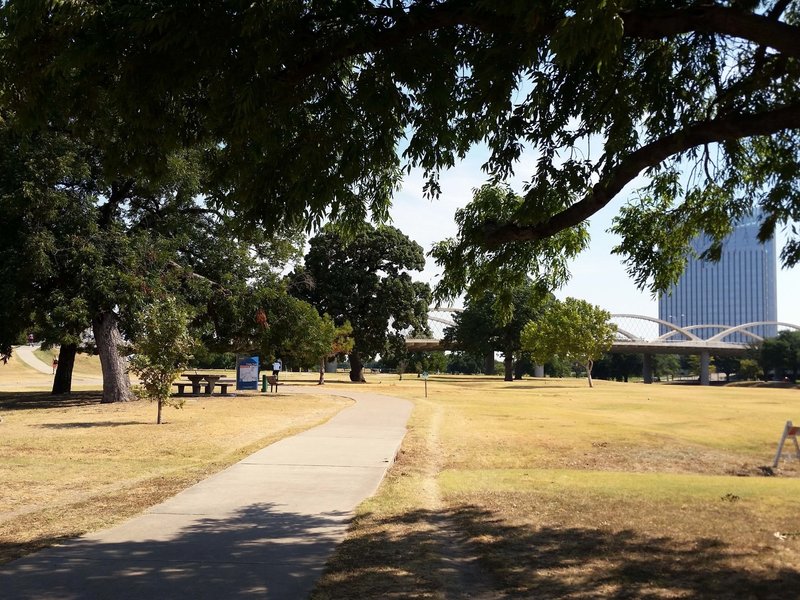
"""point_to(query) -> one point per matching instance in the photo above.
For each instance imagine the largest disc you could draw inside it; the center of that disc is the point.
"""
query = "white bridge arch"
(685, 339)
(439, 319)
(638, 334)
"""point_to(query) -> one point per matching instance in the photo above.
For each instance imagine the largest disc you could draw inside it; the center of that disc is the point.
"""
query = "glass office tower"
(740, 288)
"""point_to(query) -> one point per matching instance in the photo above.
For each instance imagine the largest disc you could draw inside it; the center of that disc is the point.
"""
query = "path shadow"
(543, 563)
(90, 425)
(264, 552)
(258, 552)
(46, 400)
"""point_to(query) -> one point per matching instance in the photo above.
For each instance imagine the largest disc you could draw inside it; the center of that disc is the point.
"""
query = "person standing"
(55, 365)
(276, 367)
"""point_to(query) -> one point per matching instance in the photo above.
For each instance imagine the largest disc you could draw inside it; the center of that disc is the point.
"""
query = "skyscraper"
(740, 288)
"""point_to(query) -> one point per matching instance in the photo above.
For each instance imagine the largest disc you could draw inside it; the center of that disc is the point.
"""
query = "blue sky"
(597, 275)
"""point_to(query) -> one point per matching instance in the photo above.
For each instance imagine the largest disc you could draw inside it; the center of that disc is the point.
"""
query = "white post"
(782, 442)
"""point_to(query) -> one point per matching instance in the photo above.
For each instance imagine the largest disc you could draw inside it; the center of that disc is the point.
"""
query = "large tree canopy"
(702, 98)
(365, 280)
(83, 249)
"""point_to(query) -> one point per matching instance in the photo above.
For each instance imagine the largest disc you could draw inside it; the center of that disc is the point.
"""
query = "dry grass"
(85, 364)
(17, 376)
(548, 489)
(537, 488)
(71, 465)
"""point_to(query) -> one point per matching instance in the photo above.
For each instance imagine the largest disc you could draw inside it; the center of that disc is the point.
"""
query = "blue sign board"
(247, 373)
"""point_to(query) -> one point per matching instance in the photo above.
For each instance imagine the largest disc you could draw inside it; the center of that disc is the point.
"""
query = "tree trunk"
(62, 383)
(488, 363)
(322, 371)
(356, 368)
(116, 384)
(508, 365)
(518, 370)
(158, 418)
(589, 366)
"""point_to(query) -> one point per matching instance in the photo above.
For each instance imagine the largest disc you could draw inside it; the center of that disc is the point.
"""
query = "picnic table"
(196, 380)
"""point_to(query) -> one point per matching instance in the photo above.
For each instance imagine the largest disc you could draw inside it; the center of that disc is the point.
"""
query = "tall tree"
(483, 328)
(573, 330)
(71, 263)
(364, 279)
(781, 354)
(598, 92)
(87, 250)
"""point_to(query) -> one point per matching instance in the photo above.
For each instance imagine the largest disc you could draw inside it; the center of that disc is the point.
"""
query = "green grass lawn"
(549, 489)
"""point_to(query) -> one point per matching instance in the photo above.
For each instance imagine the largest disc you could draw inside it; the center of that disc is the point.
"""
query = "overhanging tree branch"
(778, 9)
(731, 127)
(418, 20)
(371, 37)
(720, 20)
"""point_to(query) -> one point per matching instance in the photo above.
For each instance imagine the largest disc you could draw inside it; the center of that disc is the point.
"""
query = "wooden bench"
(182, 385)
(273, 382)
(223, 384)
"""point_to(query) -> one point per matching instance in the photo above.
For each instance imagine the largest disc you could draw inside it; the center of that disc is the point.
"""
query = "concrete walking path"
(26, 355)
(263, 528)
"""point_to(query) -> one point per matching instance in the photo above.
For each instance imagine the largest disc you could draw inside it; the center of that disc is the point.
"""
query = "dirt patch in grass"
(533, 558)
(657, 456)
(71, 465)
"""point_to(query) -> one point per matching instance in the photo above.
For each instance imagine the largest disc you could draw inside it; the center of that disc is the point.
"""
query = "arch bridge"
(439, 319)
(639, 334)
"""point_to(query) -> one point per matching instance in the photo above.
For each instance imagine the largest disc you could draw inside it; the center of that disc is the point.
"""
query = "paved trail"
(26, 355)
(263, 528)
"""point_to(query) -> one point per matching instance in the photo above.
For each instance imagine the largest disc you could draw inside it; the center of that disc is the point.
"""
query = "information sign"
(247, 373)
